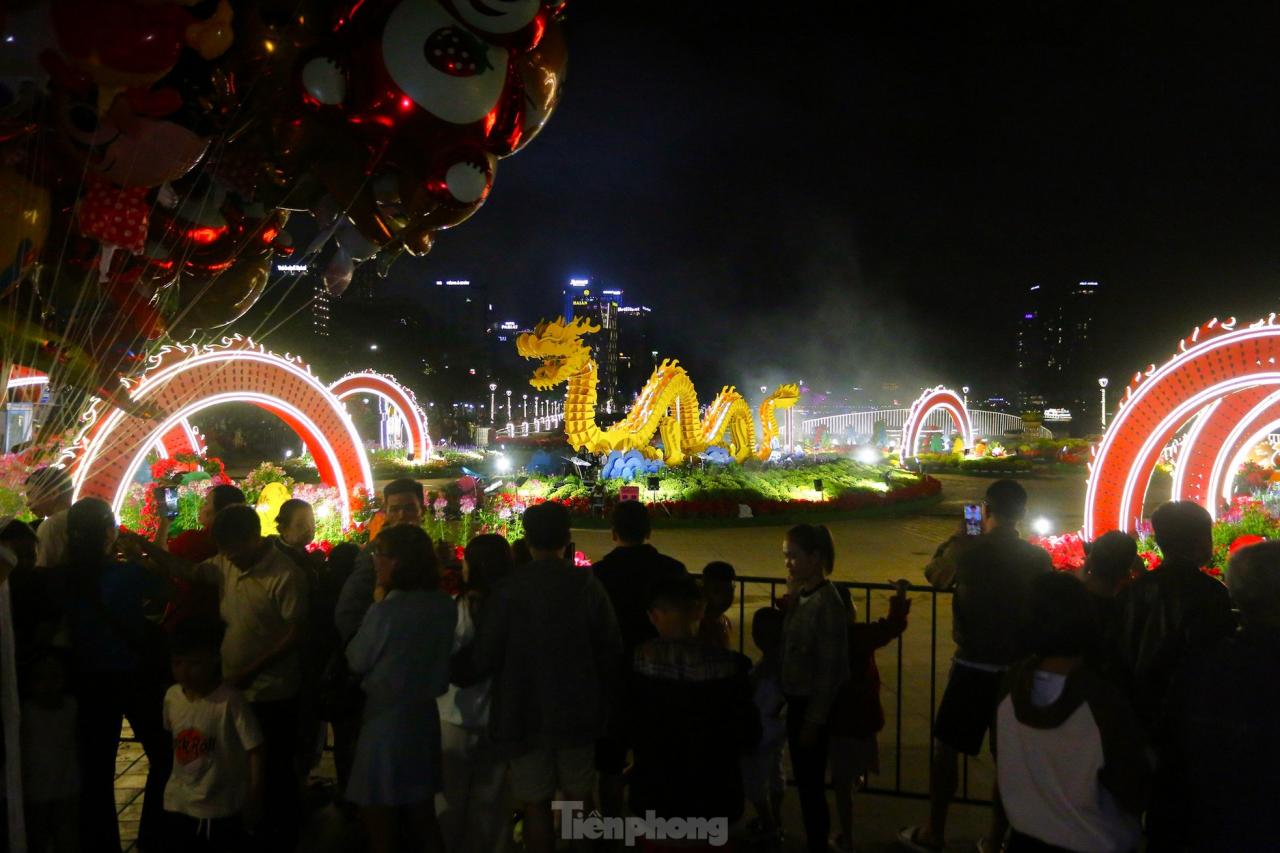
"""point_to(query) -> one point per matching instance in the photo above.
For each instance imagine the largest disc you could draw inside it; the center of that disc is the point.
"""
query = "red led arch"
(1243, 436)
(182, 380)
(926, 404)
(1204, 441)
(398, 396)
(1215, 363)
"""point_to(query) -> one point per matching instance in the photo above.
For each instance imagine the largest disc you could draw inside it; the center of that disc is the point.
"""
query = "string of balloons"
(153, 151)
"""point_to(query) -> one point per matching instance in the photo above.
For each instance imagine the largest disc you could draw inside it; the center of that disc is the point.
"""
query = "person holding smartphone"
(991, 575)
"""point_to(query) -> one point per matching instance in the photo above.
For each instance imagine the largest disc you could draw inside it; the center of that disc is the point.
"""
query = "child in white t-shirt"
(214, 793)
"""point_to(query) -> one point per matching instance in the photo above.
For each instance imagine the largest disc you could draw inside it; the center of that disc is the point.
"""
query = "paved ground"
(872, 550)
(867, 549)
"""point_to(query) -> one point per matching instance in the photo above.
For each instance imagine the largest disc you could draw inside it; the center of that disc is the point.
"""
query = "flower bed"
(1249, 521)
(954, 462)
(191, 476)
(766, 490)
(14, 469)
(391, 464)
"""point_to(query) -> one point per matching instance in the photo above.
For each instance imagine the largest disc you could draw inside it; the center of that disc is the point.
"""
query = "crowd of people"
(1122, 707)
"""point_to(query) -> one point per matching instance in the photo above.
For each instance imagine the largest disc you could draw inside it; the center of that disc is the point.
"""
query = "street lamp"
(1102, 384)
(493, 389)
(965, 391)
(764, 389)
(524, 406)
(508, 405)
(373, 347)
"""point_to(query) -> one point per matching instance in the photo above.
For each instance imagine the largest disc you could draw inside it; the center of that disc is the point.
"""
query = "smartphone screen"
(170, 497)
(973, 519)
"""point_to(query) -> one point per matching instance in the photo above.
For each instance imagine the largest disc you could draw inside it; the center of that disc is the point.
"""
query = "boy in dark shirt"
(690, 712)
(718, 580)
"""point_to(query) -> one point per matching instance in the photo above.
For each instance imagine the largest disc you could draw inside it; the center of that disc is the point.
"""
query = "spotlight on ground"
(868, 455)
(1041, 526)
(503, 465)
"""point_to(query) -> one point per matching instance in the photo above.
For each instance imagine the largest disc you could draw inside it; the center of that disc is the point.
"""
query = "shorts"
(851, 757)
(968, 708)
(537, 775)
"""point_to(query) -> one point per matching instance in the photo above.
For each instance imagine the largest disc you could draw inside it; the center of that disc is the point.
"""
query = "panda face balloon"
(411, 102)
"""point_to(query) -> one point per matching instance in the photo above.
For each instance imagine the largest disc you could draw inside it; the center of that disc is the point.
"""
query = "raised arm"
(155, 558)
(941, 571)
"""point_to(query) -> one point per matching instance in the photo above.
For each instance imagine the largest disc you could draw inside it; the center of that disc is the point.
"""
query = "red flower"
(451, 581)
(1065, 551)
(324, 546)
(1244, 542)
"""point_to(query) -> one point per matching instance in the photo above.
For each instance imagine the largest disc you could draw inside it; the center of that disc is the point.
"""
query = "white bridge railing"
(985, 424)
(533, 425)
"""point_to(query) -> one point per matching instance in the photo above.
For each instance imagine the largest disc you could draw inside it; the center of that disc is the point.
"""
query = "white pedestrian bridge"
(985, 424)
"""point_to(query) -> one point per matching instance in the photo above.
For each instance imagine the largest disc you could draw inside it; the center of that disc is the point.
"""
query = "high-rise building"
(572, 293)
(602, 306)
(321, 307)
(635, 359)
(1055, 368)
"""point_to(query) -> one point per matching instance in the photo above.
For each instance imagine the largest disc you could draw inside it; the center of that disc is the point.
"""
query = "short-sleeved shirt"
(990, 608)
(259, 607)
(212, 737)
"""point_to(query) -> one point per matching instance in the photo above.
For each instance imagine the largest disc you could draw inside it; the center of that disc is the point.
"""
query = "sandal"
(909, 838)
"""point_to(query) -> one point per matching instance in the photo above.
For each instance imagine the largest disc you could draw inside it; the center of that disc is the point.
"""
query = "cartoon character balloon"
(402, 108)
(152, 150)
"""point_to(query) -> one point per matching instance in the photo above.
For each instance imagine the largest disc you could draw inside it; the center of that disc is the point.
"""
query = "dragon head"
(559, 344)
(784, 396)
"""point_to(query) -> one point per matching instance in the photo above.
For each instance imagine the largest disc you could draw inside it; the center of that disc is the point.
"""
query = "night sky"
(865, 199)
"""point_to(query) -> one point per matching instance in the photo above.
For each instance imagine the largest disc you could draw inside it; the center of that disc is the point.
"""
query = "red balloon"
(126, 43)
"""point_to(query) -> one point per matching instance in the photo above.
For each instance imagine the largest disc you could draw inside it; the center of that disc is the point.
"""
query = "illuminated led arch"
(180, 381)
(397, 396)
(933, 400)
(25, 377)
(182, 438)
(1206, 441)
(1217, 362)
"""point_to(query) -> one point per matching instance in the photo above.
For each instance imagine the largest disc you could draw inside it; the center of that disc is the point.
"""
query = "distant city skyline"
(905, 190)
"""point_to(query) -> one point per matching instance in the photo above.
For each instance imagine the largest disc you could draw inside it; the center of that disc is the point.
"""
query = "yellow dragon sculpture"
(667, 405)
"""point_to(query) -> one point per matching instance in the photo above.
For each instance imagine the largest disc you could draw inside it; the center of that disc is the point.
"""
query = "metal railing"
(865, 595)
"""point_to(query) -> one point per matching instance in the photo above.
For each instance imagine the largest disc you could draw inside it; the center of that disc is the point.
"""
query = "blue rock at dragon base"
(717, 456)
(628, 465)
